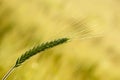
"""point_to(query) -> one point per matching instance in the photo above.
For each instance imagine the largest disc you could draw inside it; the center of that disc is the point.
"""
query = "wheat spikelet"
(37, 49)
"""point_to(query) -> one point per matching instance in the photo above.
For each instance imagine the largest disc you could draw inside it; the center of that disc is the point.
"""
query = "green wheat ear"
(35, 50)
(38, 49)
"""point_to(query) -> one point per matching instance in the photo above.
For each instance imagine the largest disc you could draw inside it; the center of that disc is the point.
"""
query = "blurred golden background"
(25, 23)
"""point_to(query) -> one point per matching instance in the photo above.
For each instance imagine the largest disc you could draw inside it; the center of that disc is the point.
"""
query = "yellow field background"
(93, 26)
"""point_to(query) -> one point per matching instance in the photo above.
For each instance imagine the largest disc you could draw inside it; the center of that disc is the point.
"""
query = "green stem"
(8, 73)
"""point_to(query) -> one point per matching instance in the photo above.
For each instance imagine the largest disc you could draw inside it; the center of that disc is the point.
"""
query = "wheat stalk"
(35, 50)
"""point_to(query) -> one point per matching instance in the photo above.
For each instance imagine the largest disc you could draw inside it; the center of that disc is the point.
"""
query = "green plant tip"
(38, 49)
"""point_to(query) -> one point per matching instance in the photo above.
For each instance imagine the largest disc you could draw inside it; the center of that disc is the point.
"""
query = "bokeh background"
(25, 23)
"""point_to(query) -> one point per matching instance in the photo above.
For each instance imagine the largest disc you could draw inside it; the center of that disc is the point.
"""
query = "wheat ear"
(37, 49)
